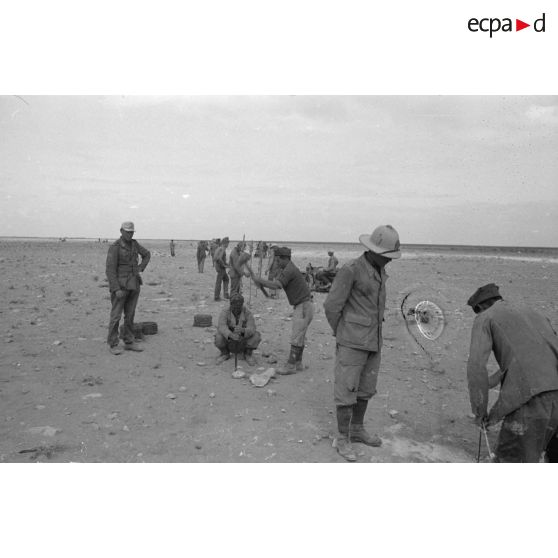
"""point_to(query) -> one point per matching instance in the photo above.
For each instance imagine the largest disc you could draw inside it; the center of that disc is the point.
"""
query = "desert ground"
(65, 398)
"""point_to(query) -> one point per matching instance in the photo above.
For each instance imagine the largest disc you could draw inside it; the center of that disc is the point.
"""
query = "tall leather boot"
(343, 443)
(358, 432)
(299, 365)
(290, 366)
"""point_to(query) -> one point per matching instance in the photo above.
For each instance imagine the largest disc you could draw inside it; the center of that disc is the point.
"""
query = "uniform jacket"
(227, 322)
(220, 258)
(122, 266)
(355, 305)
(526, 349)
(235, 269)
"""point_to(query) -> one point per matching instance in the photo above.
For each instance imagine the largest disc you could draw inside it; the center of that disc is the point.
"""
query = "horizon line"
(407, 244)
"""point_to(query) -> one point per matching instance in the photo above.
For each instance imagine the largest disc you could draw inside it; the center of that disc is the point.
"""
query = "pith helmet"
(384, 240)
(128, 226)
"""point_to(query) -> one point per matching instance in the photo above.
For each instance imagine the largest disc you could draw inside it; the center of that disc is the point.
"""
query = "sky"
(479, 170)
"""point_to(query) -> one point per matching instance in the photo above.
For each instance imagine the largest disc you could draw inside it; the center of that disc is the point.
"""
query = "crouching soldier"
(236, 331)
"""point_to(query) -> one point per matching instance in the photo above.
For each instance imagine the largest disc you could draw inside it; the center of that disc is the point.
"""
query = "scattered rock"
(57, 343)
(200, 363)
(44, 430)
(238, 374)
(393, 413)
(212, 395)
(171, 396)
(182, 389)
(92, 395)
(260, 380)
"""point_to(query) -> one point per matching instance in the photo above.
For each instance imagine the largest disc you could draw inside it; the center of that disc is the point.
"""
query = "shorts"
(356, 374)
(302, 316)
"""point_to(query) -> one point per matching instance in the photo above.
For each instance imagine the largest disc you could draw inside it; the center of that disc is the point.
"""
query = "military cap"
(483, 293)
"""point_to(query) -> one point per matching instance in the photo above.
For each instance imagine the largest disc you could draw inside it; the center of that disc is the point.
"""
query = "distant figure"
(238, 257)
(526, 349)
(265, 248)
(220, 264)
(327, 275)
(123, 275)
(354, 309)
(298, 294)
(172, 245)
(201, 254)
(236, 331)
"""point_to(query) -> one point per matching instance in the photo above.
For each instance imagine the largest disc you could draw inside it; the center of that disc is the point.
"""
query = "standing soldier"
(298, 294)
(220, 263)
(354, 309)
(237, 259)
(172, 248)
(123, 274)
(201, 253)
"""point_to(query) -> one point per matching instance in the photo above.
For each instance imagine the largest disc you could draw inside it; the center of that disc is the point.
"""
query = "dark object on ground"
(202, 320)
(148, 328)
(137, 329)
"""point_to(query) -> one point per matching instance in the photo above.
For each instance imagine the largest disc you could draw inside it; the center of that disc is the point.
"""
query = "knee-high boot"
(358, 432)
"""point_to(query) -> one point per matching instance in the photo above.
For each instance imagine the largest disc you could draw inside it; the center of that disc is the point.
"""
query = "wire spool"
(202, 320)
(149, 328)
(430, 319)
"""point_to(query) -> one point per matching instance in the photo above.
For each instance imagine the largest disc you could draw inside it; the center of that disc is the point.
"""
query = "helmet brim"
(364, 239)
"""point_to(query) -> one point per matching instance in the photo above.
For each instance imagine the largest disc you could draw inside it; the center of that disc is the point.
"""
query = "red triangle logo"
(519, 25)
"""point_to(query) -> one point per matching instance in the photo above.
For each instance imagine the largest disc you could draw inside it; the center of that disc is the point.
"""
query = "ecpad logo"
(492, 25)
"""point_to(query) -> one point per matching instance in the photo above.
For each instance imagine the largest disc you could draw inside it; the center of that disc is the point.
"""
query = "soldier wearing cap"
(354, 309)
(220, 264)
(236, 331)
(123, 275)
(526, 349)
(298, 294)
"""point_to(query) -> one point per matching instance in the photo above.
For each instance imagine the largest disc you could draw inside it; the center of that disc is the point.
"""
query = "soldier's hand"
(120, 293)
(234, 336)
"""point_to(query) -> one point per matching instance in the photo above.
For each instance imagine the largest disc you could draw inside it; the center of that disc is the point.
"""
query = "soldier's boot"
(249, 358)
(299, 364)
(225, 355)
(290, 366)
(358, 432)
(342, 441)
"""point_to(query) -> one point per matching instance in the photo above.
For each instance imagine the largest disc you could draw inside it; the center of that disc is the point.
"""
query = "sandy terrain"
(64, 397)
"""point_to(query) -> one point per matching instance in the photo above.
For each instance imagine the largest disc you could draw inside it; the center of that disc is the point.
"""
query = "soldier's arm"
(222, 326)
(112, 269)
(250, 328)
(145, 257)
(337, 297)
